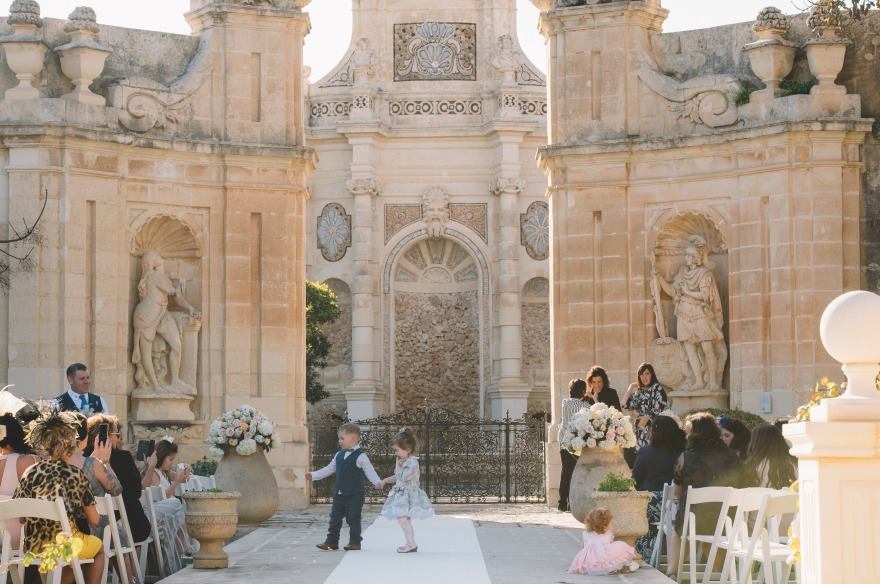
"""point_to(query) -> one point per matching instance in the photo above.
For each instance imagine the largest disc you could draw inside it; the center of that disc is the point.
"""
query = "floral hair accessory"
(169, 439)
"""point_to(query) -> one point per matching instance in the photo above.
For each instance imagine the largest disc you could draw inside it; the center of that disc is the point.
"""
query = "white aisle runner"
(449, 551)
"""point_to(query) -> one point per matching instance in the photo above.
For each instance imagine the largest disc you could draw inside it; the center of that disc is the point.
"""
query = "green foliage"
(792, 87)
(62, 549)
(214, 490)
(205, 467)
(743, 96)
(615, 483)
(749, 419)
(321, 308)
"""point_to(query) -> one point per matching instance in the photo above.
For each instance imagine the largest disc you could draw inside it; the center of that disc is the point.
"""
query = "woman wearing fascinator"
(406, 500)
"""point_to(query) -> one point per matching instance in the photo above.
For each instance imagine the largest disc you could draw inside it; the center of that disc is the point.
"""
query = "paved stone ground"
(521, 544)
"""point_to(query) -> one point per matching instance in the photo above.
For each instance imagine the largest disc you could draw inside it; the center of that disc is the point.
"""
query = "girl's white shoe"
(406, 549)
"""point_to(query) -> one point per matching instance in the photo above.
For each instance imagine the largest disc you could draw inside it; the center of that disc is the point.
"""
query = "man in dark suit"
(77, 398)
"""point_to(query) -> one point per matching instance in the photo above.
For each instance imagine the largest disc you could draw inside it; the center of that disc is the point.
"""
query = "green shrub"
(792, 87)
(205, 467)
(749, 419)
(615, 483)
(214, 490)
(745, 94)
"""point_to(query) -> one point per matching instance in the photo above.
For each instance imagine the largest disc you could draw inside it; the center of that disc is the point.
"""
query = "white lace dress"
(406, 499)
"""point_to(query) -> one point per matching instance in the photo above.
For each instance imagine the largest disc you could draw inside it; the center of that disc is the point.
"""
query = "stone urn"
(593, 466)
(253, 476)
(211, 518)
(629, 510)
(771, 57)
(24, 49)
(825, 53)
(82, 59)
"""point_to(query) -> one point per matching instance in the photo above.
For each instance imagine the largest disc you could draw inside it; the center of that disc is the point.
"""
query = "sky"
(331, 21)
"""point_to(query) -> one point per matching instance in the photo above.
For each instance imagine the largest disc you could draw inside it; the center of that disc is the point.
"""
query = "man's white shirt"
(78, 402)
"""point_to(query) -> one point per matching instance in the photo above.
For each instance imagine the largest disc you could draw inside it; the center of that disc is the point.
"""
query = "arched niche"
(535, 315)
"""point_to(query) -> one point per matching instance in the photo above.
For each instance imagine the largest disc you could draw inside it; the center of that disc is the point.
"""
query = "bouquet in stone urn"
(598, 426)
(245, 428)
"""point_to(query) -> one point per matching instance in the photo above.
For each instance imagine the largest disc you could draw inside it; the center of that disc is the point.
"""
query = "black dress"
(122, 463)
(713, 466)
(607, 396)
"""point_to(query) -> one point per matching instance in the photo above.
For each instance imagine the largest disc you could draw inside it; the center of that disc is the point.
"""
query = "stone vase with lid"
(771, 56)
(253, 477)
(82, 59)
(24, 49)
(826, 51)
(593, 465)
(211, 518)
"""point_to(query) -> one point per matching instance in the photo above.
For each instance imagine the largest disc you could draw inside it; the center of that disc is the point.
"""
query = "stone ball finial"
(850, 328)
(82, 18)
(25, 12)
(772, 19)
(825, 18)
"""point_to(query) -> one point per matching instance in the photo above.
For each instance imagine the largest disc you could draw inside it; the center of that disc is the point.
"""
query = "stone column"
(838, 453)
(509, 393)
(364, 399)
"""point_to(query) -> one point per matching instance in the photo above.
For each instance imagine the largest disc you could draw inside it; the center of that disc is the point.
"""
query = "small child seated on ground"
(602, 555)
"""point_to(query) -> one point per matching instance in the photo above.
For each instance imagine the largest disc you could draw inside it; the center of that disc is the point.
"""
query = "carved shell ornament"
(167, 235)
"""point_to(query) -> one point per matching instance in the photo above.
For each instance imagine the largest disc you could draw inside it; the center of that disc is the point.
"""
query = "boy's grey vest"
(349, 478)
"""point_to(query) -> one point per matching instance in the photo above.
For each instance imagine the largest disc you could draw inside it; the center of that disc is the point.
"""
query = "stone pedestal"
(157, 406)
(686, 401)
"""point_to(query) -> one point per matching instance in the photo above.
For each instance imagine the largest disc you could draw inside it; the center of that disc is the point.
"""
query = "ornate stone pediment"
(435, 51)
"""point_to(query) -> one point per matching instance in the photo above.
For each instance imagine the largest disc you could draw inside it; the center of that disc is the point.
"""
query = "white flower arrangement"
(598, 426)
(245, 429)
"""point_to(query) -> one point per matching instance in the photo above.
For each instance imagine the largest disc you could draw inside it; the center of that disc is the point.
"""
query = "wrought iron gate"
(463, 459)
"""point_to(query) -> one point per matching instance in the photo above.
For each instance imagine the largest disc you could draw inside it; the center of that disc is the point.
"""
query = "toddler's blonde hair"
(598, 520)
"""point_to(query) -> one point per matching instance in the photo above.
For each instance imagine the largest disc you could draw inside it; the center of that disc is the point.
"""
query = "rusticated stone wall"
(437, 350)
(536, 353)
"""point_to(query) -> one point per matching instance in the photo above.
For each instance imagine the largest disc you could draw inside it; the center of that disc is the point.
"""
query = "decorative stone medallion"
(334, 232)
(535, 230)
(435, 51)
(472, 215)
(399, 216)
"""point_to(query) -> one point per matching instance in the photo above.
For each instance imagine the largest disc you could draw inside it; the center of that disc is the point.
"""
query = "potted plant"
(595, 434)
(628, 507)
(243, 436)
(211, 518)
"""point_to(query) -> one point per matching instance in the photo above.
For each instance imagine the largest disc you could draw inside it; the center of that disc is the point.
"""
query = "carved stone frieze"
(535, 230)
(533, 107)
(333, 232)
(473, 215)
(435, 107)
(158, 432)
(435, 51)
(399, 216)
(330, 109)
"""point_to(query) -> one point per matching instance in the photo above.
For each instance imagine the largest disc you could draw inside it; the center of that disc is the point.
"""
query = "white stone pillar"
(838, 453)
(364, 399)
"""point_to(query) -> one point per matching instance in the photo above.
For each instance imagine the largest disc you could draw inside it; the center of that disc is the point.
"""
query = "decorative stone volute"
(24, 48)
(82, 59)
(771, 56)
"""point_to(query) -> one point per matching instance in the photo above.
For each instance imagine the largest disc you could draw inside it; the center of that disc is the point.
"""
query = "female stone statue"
(151, 318)
(698, 315)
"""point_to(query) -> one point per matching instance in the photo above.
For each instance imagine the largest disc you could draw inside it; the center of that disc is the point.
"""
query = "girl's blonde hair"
(55, 433)
(405, 439)
(598, 520)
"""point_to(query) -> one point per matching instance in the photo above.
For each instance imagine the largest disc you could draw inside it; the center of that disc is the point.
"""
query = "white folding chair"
(40, 509)
(132, 546)
(736, 531)
(668, 507)
(148, 499)
(106, 507)
(691, 540)
(763, 545)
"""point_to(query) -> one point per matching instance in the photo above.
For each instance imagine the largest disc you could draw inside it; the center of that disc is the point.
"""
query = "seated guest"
(55, 432)
(705, 462)
(653, 468)
(171, 512)
(600, 390)
(769, 463)
(93, 459)
(77, 398)
(15, 458)
(735, 436)
(123, 466)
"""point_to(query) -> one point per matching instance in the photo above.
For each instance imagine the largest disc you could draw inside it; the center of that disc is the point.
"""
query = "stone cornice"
(645, 14)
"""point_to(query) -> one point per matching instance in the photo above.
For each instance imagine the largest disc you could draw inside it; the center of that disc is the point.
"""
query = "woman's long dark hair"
(164, 449)
(650, 369)
(596, 371)
(741, 435)
(666, 434)
(768, 444)
(14, 435)
(705, 433)
(577, 388)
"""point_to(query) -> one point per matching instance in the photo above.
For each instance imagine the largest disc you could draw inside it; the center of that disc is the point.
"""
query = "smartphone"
(145, 449)
(103, 432)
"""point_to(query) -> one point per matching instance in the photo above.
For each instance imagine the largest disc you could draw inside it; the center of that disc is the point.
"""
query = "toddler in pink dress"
(602, 555)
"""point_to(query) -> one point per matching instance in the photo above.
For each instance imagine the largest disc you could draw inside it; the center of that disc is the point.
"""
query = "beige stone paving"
(521, 544)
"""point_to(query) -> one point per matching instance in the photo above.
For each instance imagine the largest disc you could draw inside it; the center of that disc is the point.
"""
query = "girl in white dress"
(406, 500)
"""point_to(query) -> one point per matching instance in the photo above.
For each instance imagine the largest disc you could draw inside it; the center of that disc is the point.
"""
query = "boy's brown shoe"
(328, 546)
(352, 547)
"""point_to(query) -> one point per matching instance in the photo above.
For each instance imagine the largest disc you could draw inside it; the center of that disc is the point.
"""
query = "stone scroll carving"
(707, 100)
(165, 324)
(690, 351)
(435, 51)
(334, 232)
(535, 230)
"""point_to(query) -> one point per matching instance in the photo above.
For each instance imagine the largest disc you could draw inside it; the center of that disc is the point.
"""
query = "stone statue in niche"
(505, 60)
(158, 336)
(698, 314)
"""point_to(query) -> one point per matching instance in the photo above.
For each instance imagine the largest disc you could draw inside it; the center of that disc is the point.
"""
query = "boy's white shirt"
(362, 462)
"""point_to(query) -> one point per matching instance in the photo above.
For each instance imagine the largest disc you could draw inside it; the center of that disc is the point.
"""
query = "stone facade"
(426, 132)
(171, 256)
(689, 230)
